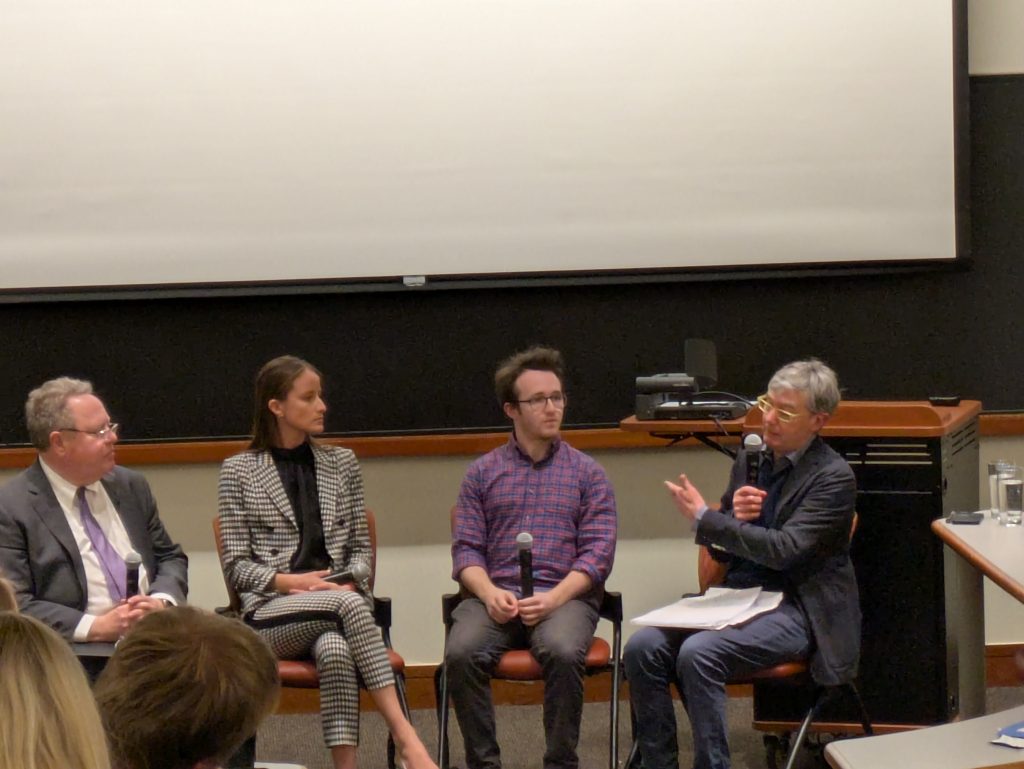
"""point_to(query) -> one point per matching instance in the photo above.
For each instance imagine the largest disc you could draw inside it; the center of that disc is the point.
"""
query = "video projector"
(676, 396)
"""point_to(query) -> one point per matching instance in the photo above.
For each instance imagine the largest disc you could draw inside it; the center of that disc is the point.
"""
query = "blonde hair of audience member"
(49, 719)
(185, 688)
(8, 600)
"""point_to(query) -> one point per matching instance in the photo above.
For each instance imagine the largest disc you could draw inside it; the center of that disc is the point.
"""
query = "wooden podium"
(922, 656)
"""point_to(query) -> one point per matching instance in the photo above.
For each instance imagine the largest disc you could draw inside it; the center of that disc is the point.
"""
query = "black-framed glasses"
(539, 402)
(102, 433)
(765, 403)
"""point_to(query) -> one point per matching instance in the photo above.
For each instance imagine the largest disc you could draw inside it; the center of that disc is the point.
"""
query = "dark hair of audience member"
(185, 687)
(48, 719)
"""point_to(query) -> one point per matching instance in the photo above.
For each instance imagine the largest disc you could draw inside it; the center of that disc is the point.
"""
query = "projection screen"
(204, 142)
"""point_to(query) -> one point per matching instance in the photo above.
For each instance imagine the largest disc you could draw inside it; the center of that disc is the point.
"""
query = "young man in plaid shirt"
(540, 485)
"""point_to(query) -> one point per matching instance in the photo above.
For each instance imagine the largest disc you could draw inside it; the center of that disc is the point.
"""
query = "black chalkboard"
(422, 361)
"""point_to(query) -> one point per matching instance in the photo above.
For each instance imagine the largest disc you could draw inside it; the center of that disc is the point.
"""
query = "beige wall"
(655, 562)
(995, 36)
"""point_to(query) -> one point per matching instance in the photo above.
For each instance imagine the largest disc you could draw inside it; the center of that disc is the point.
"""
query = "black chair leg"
(864, 720)
(819, 697)
(441, 696)
(613, 737)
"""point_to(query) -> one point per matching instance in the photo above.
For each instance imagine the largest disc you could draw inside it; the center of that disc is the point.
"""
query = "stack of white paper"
(718, 608)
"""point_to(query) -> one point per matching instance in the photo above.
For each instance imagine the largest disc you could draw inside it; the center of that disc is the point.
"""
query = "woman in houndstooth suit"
(291, 513)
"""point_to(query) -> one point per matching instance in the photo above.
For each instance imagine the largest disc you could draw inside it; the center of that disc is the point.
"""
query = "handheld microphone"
(753, 446)
(524, 542)
(356, 574)
(132, 561)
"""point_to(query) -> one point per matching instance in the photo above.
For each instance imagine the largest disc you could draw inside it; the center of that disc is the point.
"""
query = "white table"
(995, 551)
(960, 745)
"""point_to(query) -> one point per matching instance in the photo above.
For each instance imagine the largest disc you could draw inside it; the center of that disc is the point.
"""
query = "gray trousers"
(700, 664)
(559, 643)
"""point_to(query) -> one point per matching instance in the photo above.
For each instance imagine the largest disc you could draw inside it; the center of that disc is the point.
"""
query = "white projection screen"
(207, 142)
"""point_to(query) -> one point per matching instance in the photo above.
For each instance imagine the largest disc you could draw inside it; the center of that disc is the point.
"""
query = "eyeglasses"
(102, 433)
(765, 404)
(539, 402)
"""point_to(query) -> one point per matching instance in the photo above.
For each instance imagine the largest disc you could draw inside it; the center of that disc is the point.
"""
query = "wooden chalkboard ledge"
(199, 452)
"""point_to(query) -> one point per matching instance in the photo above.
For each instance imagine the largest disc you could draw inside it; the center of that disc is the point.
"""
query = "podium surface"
(852, 418)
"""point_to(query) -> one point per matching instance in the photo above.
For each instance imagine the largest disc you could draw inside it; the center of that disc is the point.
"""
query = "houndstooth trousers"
(336, 628)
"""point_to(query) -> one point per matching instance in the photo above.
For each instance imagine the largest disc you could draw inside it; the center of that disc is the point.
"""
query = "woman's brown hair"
(273, 382)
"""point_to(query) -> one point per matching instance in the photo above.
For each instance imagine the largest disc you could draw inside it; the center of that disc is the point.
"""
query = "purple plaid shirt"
(565, 501)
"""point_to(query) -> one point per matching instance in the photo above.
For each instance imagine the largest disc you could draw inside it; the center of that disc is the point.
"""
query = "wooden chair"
(520, 665)
(302, 674)
(710, 573)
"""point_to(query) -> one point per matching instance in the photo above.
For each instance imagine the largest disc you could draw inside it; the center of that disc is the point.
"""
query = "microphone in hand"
(132, 562)
(356, 574)
(753, 446)
(524, 542)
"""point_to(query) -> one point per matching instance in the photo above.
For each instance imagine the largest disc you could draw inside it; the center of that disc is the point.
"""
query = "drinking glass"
(1007, 475)
(1014, 491)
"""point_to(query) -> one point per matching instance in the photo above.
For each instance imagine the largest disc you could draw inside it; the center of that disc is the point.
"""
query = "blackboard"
(181, 368)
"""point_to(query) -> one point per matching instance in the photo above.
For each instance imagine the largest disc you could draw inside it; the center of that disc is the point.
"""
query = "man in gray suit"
(788, 532)
(68, 522)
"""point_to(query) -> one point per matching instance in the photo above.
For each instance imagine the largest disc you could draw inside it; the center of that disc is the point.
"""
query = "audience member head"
(8, 598)
(536, 358)
(274, 382)
(185, 689)
(71, 428)
(49, 719)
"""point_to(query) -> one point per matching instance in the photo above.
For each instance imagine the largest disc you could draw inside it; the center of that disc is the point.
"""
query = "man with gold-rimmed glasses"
(69, 522)
(788, 532)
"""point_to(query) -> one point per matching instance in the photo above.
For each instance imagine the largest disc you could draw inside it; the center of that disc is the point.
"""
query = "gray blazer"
(258, 525)
(809, 541)
(39, 555)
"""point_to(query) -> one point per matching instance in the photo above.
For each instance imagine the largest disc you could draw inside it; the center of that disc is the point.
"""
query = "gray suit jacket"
(809, 542)
(39, 555)
(258, 525)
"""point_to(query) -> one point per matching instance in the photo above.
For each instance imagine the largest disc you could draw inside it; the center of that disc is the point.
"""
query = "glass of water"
(993, 484)
(1014, 494)
(1007, 472)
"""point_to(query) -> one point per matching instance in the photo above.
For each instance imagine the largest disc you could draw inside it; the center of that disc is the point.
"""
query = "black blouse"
(297, 469)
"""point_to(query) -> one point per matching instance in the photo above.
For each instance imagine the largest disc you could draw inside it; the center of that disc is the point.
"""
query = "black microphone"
(524, 542)
(753, 446)
(132, 561)
(356, 574)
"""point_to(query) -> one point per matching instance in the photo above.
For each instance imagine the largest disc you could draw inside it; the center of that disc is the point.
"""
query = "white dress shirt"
(97, 592)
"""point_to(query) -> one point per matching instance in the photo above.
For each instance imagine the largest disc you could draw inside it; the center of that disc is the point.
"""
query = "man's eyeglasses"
(539, 402)
(764, 402)
(102, 433)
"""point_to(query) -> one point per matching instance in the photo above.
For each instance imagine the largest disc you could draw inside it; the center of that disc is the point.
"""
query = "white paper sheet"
(718, 608)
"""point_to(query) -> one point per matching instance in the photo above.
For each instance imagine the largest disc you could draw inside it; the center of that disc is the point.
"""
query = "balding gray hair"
(46, 409)
(812, 377)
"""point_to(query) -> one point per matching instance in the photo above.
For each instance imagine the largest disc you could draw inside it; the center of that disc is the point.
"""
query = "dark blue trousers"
(700, 663)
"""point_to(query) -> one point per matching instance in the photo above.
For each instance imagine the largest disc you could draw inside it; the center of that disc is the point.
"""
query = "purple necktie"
(113, 565)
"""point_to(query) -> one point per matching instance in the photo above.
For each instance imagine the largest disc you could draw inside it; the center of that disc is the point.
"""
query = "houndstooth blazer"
(258, 524)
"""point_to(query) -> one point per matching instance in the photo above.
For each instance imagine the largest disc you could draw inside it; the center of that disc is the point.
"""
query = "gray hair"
(46, 409)
(812, 377)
